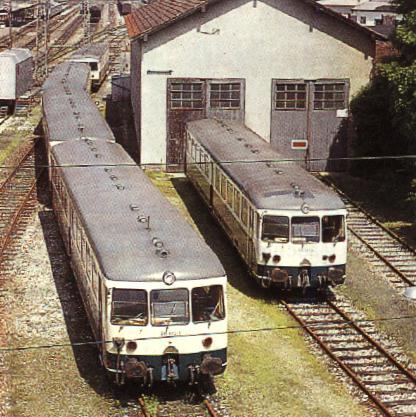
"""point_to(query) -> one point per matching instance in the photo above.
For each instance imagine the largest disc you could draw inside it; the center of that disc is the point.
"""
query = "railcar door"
(309, 121)
(193, 99)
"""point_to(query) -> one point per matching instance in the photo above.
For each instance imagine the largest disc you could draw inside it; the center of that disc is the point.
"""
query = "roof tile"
(159, 13)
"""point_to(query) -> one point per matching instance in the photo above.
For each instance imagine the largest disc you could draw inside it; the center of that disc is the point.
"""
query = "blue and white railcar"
(155, 293)
(288, 227)
(97, 56)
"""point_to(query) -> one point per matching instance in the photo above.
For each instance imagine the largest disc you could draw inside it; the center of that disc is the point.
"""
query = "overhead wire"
(226, 332)
(411, 157)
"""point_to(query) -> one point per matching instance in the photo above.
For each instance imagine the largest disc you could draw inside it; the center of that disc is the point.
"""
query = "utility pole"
(87, 26)
(38, 36)
(46, 17)
(10, 17)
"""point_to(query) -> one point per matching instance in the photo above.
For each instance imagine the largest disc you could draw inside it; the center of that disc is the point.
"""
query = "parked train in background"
(16, 75)
(97, 56)
(124, 7)
(95, 13)
(288, 227)
(154, 292)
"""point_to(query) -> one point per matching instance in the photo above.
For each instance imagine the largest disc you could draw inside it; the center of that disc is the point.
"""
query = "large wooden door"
(309, 121)
(186, 102)
(193, 99)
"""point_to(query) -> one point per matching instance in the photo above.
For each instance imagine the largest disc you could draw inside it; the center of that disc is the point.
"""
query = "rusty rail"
(312, 328)
(16, 211)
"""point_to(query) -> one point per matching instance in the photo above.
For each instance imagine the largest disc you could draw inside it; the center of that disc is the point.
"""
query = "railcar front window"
(275, 229)
(208, 304)
(129, 307)
(94, 66)
(305, 229)
(169, 307)
(333, 229)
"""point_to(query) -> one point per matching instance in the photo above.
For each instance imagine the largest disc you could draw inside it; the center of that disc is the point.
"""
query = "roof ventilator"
(133, 207)
(160, 250)
(144, 219)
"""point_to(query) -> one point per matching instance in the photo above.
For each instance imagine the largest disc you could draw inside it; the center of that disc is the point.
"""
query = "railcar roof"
(74, 75)
(268, 184)
(110, 214)
(68, 108)
(16, 54)
(94, 50)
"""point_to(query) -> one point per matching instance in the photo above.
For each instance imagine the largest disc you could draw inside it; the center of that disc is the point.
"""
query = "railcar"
(97, 56)
(67, 109)
(95, 13)
(16, 74)
(288, 227)
(154, 292)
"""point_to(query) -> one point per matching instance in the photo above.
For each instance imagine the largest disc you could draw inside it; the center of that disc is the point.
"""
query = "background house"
(286, 68)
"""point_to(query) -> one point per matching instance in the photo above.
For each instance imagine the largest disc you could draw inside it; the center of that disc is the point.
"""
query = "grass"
(270, 373)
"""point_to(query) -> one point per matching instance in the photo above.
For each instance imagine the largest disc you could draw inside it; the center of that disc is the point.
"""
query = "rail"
(388, 383)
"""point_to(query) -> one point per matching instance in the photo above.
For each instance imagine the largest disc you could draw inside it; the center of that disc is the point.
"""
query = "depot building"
(286, 68)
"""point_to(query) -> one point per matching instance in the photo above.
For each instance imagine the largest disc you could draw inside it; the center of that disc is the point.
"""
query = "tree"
(400, 74)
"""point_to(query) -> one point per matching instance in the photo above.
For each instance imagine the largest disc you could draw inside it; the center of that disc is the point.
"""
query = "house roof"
(376, 6)
(162, 13)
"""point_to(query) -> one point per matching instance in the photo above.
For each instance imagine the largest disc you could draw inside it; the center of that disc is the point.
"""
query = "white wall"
(257, 41)
(370, 16)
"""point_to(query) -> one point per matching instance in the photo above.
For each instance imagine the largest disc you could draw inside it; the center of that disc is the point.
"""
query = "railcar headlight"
(276, 259)
(131, 346)
(169, 278)
(305, 208)
(207, 342)
(332, 258)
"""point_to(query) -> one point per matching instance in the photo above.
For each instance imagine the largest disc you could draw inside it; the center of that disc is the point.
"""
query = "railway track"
(390, 255)
(203, 407)
(18, 199)
(375, 365)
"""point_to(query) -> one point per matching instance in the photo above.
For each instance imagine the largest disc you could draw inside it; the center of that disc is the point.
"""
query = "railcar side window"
(208, 303)
(129, 307)
(275, 228)
(305, 229)
(333, 229)
(223, 187)
(230, 193)
(237, 204)
(217, 179)
(244, 211)
(169, 307)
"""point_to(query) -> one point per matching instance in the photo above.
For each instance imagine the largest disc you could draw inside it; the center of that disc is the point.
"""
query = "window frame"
(286, 91)
(225, 90)
(322, 89)
(150, 304)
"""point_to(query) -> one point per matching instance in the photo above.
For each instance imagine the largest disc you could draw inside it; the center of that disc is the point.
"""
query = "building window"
(330, 96)
(186, 96)
(224, 95)
(363, 20)
(290, 96)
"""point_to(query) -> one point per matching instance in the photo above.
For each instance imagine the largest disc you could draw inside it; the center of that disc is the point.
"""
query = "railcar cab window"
(275, 229)
(208, 304)
(305, 229)
(333, 229)
(129, 307)
(94, 66)
(169, 307)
